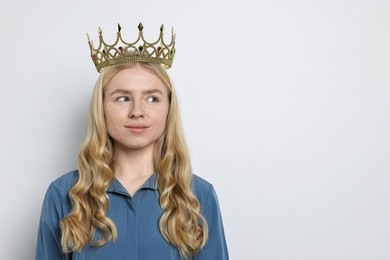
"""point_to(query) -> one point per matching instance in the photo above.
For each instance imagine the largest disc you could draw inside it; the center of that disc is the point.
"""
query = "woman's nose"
(136, 111)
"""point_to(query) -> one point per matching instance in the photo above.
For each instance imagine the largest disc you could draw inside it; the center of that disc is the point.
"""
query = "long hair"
(181, 224)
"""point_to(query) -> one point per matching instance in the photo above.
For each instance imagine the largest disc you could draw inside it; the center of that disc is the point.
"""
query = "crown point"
(119, 28)
(140, 27)
(89, 39)
(162, 28)
(100, 30)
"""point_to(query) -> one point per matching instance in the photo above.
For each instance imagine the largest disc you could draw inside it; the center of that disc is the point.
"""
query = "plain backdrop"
(285, 106)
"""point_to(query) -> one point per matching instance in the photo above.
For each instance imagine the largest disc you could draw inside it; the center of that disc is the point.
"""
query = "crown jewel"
(121, 52)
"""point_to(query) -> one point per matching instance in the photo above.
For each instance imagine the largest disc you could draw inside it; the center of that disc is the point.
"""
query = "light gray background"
(285, 106)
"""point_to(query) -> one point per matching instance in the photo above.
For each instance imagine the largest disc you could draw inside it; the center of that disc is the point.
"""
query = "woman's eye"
(152, 99)
(123, 99)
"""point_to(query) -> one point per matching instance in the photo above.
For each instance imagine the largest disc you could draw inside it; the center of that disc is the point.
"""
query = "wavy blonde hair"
(181, 224)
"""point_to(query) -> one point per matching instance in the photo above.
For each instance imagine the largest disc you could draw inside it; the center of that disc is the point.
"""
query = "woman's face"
(135, 106)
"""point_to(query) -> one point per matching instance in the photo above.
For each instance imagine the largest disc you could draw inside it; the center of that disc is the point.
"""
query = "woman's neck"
(133, 167)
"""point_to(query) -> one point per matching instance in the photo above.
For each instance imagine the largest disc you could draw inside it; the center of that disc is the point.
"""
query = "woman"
(134, 195)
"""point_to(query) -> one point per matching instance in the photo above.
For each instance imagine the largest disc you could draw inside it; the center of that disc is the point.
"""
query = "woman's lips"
(137, 128)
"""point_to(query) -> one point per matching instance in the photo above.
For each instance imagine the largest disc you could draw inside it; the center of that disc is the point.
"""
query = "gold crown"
(121, 52)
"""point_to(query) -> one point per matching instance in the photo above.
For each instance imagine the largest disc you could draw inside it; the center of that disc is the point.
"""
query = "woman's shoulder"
(56, 203)
(202, 188)
(64, 183)
(200, 183)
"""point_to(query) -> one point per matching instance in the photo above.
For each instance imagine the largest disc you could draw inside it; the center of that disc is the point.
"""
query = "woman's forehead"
(135, 79)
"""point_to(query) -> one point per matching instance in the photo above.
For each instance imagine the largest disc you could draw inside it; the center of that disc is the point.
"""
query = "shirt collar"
(150, 183)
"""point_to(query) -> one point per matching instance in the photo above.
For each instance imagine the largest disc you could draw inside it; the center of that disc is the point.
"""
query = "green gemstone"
(140, 48)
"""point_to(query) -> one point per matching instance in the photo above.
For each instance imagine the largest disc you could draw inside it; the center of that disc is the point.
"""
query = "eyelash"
(123, 97)
(155, 99)
(120, 99)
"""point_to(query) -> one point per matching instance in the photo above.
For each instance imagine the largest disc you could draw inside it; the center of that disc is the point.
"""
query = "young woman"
(134, 195)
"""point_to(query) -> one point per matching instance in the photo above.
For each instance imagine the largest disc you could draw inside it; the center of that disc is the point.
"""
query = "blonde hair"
(181, 224)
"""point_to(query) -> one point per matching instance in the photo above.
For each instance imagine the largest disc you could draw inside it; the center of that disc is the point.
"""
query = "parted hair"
(181, 224)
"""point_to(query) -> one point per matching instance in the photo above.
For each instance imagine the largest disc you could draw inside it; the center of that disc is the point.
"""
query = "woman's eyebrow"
(120, 91)
(124, 91)
(151, 91)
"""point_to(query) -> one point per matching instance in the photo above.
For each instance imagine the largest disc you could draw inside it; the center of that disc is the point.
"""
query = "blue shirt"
(136, 219)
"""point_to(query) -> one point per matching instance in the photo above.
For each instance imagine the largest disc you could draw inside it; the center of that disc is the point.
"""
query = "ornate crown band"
(121, 52)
